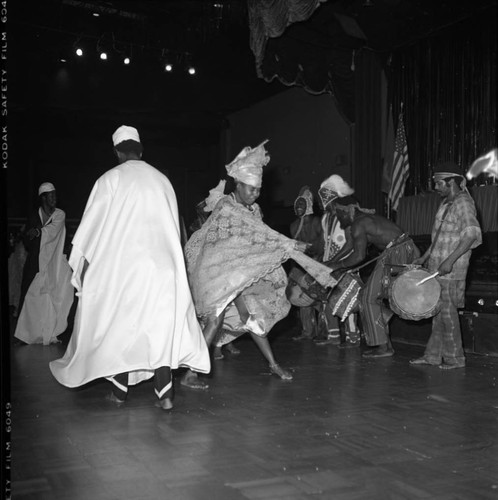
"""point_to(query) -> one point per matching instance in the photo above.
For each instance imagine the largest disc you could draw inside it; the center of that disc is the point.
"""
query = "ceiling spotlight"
(79, 52)
(126, 60)
(103, 56)
(191, 70)
(168, 67)
(96, 14)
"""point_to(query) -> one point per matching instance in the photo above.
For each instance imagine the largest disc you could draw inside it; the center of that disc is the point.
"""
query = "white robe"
(135, 311)
(50, 296)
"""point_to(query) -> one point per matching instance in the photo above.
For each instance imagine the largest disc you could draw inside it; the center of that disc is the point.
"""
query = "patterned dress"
(235, 254)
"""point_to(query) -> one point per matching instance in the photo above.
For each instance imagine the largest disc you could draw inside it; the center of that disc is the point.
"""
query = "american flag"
(401, 167)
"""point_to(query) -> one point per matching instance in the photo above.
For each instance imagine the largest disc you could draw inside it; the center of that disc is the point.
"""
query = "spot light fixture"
(191, 70)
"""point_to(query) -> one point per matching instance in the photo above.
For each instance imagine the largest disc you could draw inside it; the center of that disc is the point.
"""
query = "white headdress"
(334, 187)
(247, 167)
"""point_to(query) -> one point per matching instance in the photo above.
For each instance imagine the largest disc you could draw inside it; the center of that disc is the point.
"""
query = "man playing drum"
(397, 249)
(334, 239)
(307, 228)
(455, 233)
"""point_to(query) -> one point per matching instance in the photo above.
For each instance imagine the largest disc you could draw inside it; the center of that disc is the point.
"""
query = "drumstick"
(427, 279)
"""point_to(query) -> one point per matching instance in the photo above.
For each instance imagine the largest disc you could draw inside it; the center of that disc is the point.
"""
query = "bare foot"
(302, 337)
(453, 366)
(192, 381)
(421, 361)
(347, 344)
(280, 372)
(381, 351)
(112, 398)
(165, 404)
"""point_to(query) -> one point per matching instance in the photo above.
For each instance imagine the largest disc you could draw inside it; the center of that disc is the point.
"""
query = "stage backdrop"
(416, 213)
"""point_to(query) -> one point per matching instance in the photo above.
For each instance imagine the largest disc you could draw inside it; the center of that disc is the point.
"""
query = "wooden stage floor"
(344, 428)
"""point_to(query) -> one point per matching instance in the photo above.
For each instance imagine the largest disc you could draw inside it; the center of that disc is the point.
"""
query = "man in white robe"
(46, 290)
(135, 318)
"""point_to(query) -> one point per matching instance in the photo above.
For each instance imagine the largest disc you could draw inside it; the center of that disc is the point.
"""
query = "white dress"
(50, 296)
(135, 311)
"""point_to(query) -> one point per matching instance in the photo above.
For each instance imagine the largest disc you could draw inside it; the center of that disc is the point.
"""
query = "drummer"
(456, 232)
(344, 333)
(367, 228)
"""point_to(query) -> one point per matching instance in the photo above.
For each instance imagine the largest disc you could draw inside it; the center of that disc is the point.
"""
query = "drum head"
(413, 302)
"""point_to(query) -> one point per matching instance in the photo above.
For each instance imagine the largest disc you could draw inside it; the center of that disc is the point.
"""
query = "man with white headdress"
(455, 233)
(135, 319)
(46, 290)
(236, 257)
(334, 239)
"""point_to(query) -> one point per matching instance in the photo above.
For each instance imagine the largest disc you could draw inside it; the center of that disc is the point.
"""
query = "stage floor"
(344, 428)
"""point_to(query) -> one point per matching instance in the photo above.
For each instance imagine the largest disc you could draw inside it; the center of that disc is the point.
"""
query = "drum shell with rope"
(303, 290)
(411, 301)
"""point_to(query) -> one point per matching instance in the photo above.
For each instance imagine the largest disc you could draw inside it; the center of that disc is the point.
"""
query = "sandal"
(276, 369)
(217, 354)
(192, 381)
(232, 349)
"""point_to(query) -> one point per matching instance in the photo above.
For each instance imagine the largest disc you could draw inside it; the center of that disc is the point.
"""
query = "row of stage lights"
(168, 67)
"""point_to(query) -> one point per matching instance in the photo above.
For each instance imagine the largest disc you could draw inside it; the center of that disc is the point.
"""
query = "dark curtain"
(447, 84)
(367, 166)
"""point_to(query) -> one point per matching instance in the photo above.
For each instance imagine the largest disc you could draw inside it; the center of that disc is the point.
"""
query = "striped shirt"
(460, 221)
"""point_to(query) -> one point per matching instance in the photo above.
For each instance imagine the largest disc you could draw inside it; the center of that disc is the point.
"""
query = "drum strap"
(439, 228)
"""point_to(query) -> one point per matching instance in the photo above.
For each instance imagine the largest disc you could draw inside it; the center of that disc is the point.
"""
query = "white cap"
(125, 133)
(46, 187)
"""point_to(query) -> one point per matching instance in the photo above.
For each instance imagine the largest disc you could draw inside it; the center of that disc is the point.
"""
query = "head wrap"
(334, 187)
(214, 196)
(248, 165)
(125, 133)
(350, 205)
(46, 187)
(448, 169)
(306, 195)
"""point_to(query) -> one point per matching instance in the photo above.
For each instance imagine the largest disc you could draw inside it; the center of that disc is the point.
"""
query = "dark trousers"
(163, 384)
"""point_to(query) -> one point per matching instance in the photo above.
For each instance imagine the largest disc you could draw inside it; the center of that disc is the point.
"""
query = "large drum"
(344, 299)
(411, 301)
